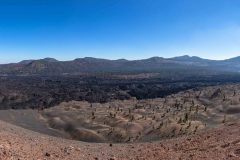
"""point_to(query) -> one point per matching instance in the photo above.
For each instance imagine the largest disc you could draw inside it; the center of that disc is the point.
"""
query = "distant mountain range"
(176, 65)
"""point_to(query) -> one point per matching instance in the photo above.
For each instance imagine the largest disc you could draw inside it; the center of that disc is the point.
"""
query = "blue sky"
(131, 29)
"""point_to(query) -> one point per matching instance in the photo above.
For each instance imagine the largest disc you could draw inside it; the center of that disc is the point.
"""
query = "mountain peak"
(25, 62)
(48, 59)
(187, 58)
(156, 58)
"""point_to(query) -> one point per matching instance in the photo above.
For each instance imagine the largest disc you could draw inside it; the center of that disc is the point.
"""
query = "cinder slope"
(17, 143)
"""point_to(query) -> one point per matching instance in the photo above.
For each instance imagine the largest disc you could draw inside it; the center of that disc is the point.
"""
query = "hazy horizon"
(113, 59)
(112, 29)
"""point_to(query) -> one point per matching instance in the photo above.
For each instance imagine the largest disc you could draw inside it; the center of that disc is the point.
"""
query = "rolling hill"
(184, 65)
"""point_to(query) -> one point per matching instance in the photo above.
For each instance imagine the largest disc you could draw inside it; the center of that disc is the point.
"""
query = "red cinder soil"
(21, 144)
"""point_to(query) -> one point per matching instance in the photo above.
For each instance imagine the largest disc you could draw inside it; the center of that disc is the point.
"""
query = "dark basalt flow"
(39, 92)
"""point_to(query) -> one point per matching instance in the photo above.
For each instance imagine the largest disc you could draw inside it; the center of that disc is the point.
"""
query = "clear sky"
(131, 29)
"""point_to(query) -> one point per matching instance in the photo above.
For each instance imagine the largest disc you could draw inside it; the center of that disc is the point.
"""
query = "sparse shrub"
(205, 109)
(193, 103)
(186, 116)
(224, 97)
(197, 109)
(195, 130)
(190, 108)
(163, 115)
(224, 119)
(154, 117)
(132, 118)
(189, 125)
(180, 121)
(180, 129)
